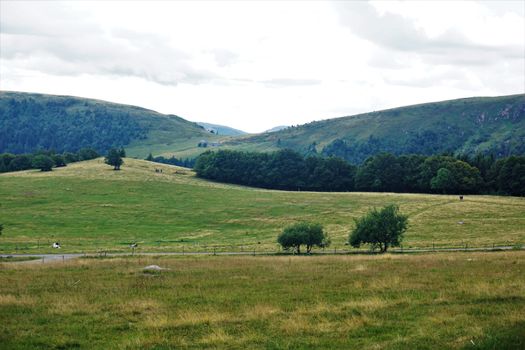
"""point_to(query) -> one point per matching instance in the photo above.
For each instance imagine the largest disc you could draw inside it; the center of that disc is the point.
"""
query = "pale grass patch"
(359, 267)
(198, 317)
(156, 321)
(370, 304)
(69, 305)
(260, 311)
(388, 283)
(354, 322)
(296, 324)
(22, 300)
(141, 305)
(217, 336)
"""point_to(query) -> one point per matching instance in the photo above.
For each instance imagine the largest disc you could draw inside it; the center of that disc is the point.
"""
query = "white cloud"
(254, 65)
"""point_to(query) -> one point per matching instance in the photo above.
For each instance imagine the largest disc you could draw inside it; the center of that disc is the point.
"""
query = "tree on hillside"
(380, 228)
(59, 160)
(122, 152)
(20, 162)
(150, 157)
(380, 173)
(43, 162)
(511, 176)
(87, 154)
(309, 234)
(443, 181)
(114, 158)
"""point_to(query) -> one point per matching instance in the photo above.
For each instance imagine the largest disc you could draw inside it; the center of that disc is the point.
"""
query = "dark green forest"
(31, 122)
(384, 172)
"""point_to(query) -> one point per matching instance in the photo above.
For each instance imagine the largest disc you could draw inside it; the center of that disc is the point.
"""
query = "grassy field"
(431, 301)
(89, 207)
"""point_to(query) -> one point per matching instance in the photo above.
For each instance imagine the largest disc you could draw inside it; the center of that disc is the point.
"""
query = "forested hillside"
(493, 125)
(30, 122)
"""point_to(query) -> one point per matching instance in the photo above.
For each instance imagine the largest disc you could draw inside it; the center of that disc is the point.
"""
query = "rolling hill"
(471, 125)
(64, 123)
(89, 207)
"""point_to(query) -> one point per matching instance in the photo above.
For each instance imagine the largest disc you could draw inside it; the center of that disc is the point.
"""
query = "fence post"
(214, 252)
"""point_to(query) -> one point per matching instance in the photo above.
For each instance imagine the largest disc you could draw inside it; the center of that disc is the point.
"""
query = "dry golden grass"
(429, 301)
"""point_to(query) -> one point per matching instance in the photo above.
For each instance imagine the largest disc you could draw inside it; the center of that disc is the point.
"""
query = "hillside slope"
(89, 207)
(64, 123)
(484, 124)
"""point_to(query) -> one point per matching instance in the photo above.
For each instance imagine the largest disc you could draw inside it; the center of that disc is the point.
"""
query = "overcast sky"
(254, 65)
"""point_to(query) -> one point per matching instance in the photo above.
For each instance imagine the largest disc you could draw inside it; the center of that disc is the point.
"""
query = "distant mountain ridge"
(29, 122)
(463, 126)
(222, 129)
(277, 128)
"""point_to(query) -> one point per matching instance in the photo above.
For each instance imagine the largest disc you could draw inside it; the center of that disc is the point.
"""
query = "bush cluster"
(43, 160)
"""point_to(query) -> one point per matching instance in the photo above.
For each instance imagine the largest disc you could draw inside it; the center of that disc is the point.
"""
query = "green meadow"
(428, 301)
(89, 207)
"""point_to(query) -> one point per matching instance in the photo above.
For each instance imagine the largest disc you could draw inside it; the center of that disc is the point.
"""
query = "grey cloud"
(394, 32)
(78, 46)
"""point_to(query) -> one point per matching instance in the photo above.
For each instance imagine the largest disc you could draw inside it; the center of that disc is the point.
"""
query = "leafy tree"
(444, 181)
(122, 152)
(114, 158)
(87, 154)
(5, 160)
(70, 157)
(380, 173)
(309, 234)
(149, 157)
(43, 162)
(59, 160)
(511, 176)
(380, 228)
(20, 162)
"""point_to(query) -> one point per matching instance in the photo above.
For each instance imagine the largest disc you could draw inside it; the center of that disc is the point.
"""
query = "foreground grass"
(434, 301)
(88, 207)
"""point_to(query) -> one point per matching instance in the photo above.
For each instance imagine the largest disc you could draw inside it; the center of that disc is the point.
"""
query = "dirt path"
(50, 258)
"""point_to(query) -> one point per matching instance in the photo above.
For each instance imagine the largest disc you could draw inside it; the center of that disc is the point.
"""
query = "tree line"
(44, 160)
(187, 162)
(385, 172)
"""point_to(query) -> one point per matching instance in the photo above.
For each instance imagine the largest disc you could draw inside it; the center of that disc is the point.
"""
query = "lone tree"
(309, 234)
(43, 162)
(380, 228)
(114, 158)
